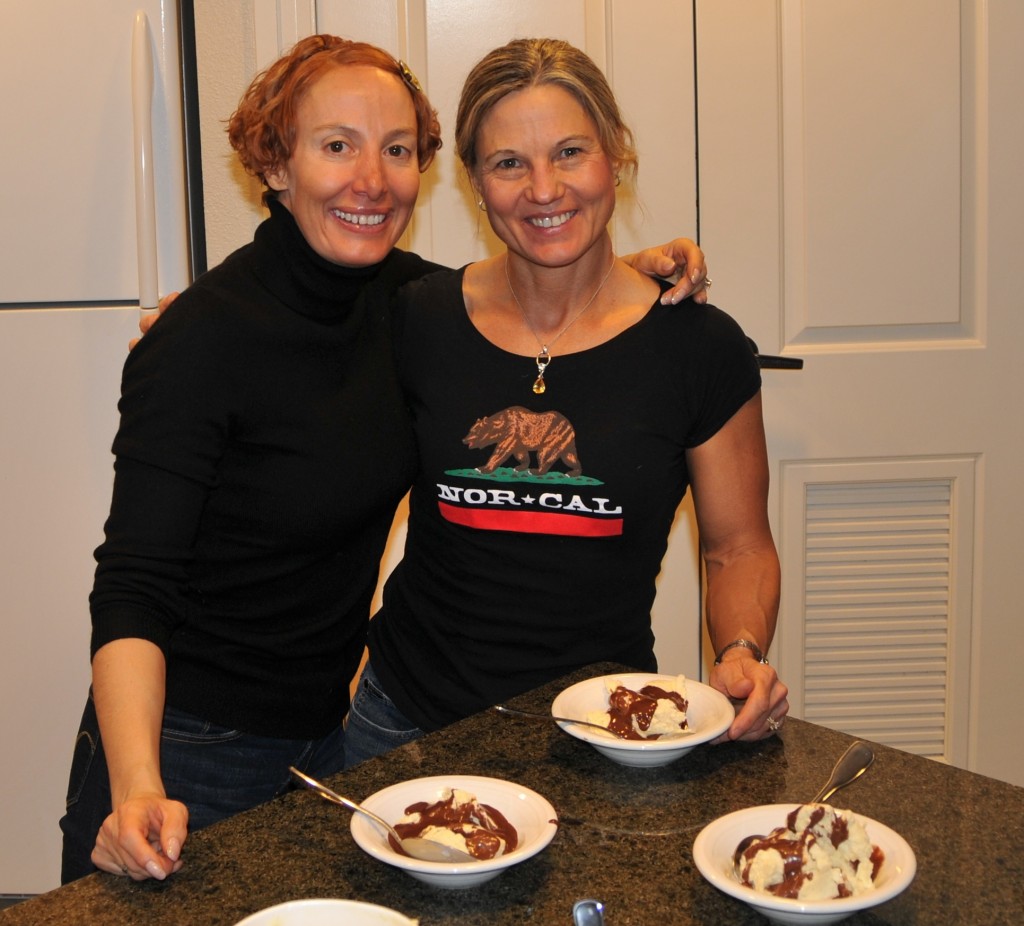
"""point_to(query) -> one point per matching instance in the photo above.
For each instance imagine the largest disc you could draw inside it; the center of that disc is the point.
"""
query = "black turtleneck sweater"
(263, 447)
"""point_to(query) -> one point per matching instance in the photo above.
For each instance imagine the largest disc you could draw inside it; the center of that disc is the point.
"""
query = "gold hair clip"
(409, 77)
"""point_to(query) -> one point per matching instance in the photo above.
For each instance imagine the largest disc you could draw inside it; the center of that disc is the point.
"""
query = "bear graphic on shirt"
(517, 432)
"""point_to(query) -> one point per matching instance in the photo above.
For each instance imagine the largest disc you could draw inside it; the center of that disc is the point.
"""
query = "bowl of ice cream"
(326, 911)
(498, 822)
(847, 854)
(664, 716)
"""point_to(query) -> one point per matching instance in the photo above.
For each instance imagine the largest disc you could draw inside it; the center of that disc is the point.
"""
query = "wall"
(226, 51)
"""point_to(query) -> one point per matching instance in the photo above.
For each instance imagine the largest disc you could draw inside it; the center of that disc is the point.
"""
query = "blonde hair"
(262, 129)
(526, 63)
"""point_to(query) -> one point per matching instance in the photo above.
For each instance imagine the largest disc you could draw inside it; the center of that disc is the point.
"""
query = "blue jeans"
(374, 724)
(216, 772)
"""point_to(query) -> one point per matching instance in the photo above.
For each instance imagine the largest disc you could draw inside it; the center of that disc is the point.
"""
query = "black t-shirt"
(511, 579)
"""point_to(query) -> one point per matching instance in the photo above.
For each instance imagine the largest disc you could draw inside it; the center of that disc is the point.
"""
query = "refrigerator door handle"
(145, 187)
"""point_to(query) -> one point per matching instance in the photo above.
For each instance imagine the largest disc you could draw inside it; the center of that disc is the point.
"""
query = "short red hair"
(262, 129)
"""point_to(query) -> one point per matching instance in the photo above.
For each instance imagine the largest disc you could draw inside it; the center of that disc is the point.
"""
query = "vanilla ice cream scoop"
(820, 853)
(650, 713)
(462, 823)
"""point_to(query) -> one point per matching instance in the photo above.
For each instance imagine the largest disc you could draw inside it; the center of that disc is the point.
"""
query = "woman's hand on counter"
(143, 838)
(760, 696)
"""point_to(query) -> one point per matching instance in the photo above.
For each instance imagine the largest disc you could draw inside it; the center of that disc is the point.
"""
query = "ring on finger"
(707, 283)
(774, 725)
(124, 869)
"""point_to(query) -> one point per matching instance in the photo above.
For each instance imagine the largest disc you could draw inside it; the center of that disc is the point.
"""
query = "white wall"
(226, 51)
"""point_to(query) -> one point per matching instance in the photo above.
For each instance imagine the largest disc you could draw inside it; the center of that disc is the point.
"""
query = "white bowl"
(326, 912)
(533, 817)
(713, 854)
(710, 713)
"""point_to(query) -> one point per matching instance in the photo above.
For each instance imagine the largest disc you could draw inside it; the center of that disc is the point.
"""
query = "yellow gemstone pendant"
(542, 360)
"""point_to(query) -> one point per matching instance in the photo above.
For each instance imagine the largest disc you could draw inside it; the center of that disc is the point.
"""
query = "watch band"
(746, 644)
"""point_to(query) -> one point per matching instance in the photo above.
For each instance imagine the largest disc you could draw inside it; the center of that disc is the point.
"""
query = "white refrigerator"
(82, 148)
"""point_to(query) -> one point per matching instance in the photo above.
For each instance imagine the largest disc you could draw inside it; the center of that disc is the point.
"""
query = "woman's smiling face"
(548, 185)
(353, 176)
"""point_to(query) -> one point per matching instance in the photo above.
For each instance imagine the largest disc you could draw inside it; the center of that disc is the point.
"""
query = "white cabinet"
(67, 203)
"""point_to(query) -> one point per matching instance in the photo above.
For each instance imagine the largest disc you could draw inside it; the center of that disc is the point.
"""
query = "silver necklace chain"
(543, 358)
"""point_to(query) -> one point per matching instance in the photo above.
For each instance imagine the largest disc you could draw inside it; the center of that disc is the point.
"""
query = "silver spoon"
(415, 846)
(535, 715)
(851, 765)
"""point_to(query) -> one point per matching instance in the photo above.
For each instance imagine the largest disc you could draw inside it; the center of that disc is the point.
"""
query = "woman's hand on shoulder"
(149, 319)
(680, 260)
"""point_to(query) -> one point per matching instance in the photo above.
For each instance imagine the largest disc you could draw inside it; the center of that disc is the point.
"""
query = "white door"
(860, 196)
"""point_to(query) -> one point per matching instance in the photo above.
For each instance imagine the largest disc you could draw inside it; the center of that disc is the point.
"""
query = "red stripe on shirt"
(532, 522)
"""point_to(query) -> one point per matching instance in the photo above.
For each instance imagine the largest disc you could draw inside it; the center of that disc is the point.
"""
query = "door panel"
(852, 201)
(886, 127)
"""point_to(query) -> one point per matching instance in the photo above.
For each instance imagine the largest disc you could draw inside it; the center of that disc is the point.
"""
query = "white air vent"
(880, 608)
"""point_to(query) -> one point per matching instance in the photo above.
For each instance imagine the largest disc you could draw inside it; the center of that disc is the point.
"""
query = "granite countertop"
(625, 836)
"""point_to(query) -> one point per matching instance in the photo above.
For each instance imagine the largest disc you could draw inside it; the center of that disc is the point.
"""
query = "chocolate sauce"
(840, 828)
(624, 704)
(792, 852)
(485, 829)
(877, 857)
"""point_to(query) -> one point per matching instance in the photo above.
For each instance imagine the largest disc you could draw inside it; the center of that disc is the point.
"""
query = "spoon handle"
(336, 798)
(413, 846)
(588, 913)
(534, 715)
(851, 765)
